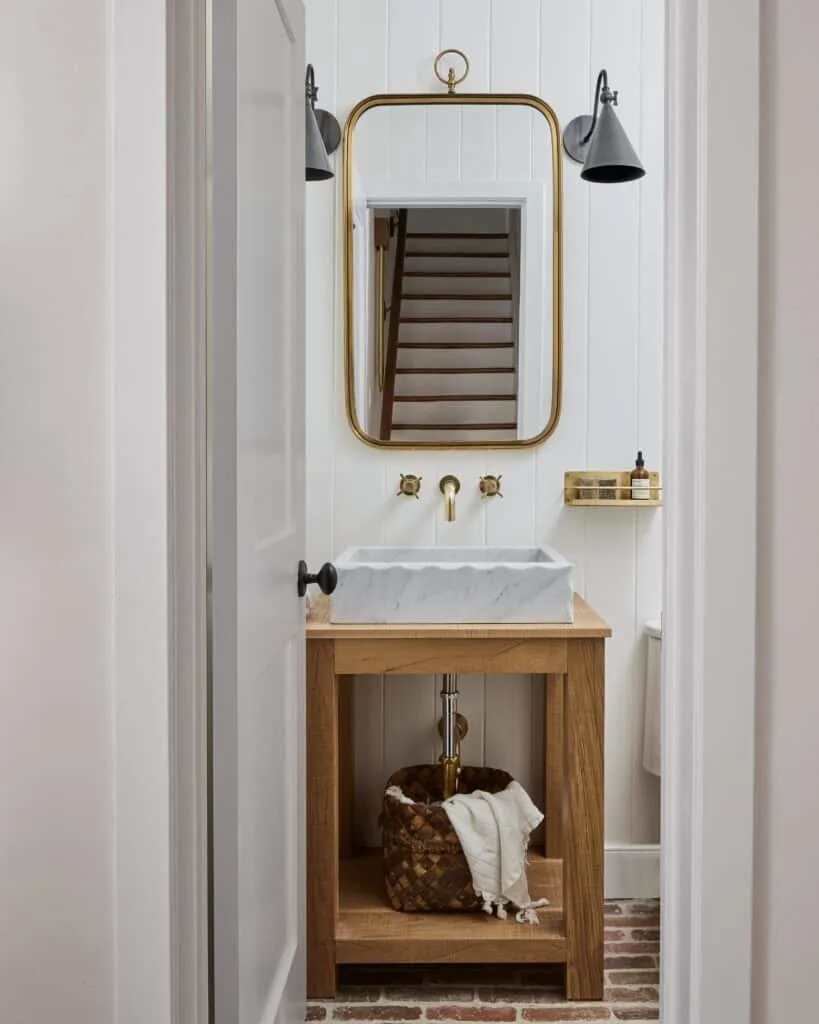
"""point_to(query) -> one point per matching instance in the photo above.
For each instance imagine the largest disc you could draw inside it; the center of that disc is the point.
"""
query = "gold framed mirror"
(453, 282)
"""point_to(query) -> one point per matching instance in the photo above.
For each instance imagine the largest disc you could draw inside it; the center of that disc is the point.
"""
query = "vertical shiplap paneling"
(408, 520)
(465, 26)
(479, 155)
(478, 124)
(515, 45)
(509, 730)
(414, 31)
(407, 145)
(610, 580)
(511, 519)
(356, 519)
(611, 272)
(468, 527)
(370, 772)
(443, 144)
(564, 32)
(515, 54)
(361, 29)
(362, 52)
(652, 233)
(411, 712)
(515, 129)
(614, 252)
(614, 267)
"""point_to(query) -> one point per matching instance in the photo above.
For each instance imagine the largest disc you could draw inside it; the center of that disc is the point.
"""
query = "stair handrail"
(391, 362)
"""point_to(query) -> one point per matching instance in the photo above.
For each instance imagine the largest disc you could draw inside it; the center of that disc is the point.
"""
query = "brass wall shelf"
(589, 488)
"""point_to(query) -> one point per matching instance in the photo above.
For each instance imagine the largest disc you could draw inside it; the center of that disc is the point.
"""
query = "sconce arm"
(602, 94)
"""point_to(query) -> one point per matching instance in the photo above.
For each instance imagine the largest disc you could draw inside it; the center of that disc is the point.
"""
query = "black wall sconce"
(600, 142)
(322, 134)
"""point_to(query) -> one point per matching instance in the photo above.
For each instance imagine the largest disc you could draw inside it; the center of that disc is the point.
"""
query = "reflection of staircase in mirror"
(455, 372)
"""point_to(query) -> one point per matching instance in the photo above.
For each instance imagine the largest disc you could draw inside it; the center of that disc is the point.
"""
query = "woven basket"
(425, 867)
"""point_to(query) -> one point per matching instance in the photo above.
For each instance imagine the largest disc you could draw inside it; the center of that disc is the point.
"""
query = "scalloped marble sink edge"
(452, 584)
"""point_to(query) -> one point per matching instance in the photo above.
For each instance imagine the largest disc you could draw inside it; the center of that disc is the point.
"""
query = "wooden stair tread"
(454, 426)
(456, 319)
(457, 234)
(456, 344)
(426, 255)
(456, 369)
(457, 273)
(455, 398)
(457, 297)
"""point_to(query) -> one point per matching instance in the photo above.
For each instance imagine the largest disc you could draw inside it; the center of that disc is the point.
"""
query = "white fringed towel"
(494, 831)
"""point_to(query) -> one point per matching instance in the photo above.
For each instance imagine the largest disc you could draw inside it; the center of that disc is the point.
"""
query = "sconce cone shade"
(317, 163)
(610, 156)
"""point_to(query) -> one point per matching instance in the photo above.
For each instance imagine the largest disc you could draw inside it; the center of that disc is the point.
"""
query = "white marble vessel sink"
(458, 584)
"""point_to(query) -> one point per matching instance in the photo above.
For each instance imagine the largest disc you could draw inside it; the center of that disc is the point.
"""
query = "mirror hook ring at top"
(451, 80)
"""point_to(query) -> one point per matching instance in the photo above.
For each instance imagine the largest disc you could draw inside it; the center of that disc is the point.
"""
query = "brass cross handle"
(410, 485)
(490, 486)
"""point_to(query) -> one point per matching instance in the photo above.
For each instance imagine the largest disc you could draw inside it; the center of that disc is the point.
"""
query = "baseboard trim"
(632, 871)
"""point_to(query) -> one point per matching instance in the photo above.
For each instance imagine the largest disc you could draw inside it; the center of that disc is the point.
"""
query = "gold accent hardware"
(465, 99)
(608, 489)
(452, 727)
(452, 769)
(451, 80)
(490, 486)
(410, 485)
(449, 486)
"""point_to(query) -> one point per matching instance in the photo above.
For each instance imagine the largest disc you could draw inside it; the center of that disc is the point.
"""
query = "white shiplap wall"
(612, 384)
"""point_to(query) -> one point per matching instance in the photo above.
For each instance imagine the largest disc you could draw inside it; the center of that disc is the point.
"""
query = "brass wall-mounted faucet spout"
(449, 486)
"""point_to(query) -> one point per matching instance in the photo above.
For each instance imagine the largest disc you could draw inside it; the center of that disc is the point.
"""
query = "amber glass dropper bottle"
(640, 480)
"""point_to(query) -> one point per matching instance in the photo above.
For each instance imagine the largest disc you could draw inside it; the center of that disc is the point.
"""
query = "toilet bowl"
(653, 698)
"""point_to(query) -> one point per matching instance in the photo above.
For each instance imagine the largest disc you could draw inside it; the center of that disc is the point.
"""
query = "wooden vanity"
(348, 918)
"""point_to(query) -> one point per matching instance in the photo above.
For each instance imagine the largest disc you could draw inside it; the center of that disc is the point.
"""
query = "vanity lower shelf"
(369, 931)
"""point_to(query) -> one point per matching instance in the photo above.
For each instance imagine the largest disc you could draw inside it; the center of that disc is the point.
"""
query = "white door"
(256, 423)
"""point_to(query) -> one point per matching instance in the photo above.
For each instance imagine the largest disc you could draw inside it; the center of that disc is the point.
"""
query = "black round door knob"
(326, 577)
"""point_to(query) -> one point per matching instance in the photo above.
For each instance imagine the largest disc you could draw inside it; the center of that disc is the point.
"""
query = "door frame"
(158, 212)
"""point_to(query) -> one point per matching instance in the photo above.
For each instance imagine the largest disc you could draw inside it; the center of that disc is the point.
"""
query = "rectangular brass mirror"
(453, 270)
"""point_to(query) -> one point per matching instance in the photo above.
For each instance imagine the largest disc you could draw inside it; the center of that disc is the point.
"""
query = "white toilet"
(653, 699)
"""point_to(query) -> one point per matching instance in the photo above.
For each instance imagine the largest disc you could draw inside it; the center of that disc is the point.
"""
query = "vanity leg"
(346, 766)
(583, 821)
(553, 776)
(322, 819)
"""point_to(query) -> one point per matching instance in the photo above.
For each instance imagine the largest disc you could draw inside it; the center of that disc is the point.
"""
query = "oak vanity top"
(587, 625)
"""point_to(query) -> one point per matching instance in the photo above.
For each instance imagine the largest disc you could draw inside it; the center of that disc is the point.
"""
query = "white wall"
(85, 895)
(612, 386)
(787, 847)
(56, 538)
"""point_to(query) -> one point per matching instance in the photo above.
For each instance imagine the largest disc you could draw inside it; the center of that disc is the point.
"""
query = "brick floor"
(509, 995)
